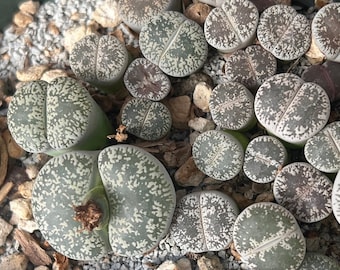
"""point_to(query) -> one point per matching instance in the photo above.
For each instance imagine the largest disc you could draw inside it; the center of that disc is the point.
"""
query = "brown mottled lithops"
(144, 79)
(251, 66)
(290, 108)
(175, 43)
(232, 25)
(284, 32)
(204, 221)
(326, 31)
(304, 191)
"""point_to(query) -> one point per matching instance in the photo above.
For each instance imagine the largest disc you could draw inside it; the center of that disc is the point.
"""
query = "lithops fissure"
(232, 25)
(267, 236)
(203, 221)
(304, 191)
(174, 43)
(290, 108)
(326, 31)
(284, 32)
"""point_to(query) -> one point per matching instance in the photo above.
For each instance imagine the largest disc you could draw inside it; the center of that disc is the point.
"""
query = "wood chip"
(14, 150)
(61, 262)
(5, 189)
(188, 174)
(3, 160)
(180, 109)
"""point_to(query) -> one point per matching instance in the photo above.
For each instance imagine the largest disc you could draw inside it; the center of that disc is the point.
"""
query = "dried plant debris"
(3, 160)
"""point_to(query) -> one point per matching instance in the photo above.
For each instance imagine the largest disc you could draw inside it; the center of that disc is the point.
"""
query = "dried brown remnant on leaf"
(198, 12)
(121, 135)
(89, 215)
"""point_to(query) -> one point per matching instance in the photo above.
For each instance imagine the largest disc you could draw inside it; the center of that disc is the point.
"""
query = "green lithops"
(267, 236)
(323, 149)
(317, 261)
(146, 119)
(125, 194)
(100, 60)
(174, 43)
(290, 108)
(56, 117)
(304, 191)
(218, 154)
(203, 221)
(264, 158)
(336, 197)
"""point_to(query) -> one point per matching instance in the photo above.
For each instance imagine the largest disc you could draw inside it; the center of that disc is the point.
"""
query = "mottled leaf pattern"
(317, 261)
(284, 32)
(304, 191)
(263, 158)
(336, 197)
(203, 221)
(268, 237)
(218, 154)
(141, 196)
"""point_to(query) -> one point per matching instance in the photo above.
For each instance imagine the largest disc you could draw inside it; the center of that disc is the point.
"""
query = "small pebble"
(5, 230)
(21, 208)
(201, 124)
(17, 261)
(188, 174)
(201, 96)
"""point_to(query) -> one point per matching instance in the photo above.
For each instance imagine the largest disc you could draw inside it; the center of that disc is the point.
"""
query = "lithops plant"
(251, 66)
(136, 14)
(326, 31)
(218, 154)
(89, 203)
(304, 191)
(336, 197)
(267, 236)
(100, 60)
(291, 109)
(232, 106)
(263, 158)
(231, 26)
(284, 32)
(56, 117)
(323, 149)
(317, 261)
(144, 79)
(146, 119)
(203, 221)
(174, 43)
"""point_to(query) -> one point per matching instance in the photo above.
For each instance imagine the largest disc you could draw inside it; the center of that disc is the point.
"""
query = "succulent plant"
(304, 191)
(326, 31)
(267, 236)
(203, 221)
(251, 66)
(284, 32)
(218, 154)
(323, 149)
(290, 108)
(89, 203)
(336, 197)
(317, 261)
(263, 158)
(231, 26)
(100, 60)
(174, 43)
(146, 119)
(56, 117)
(144, 79)
(232, 106)
(136, 14)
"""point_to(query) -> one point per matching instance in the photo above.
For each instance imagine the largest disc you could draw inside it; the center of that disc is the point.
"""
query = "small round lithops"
(304, 191)
(218, 154)
(290, 108)
(232, 106)
(175, 43)
(267, 236)
(146, 119)
(231, 26)
(326, 31)
(100, 60)
(318, 261)
(336, 197)
(144, 79)
(203, 221)
(284, 32)
(251, 66)
(323, 149)
(263, 158)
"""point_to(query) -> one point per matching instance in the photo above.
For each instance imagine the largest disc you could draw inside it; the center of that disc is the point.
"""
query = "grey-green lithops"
(175, 43)
(56, 117)
(318, 261)
(304, 191)
(203, 221)
(336, 197)
(128, 186)
(267, 236)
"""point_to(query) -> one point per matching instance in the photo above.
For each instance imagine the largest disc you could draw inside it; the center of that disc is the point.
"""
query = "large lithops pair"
(90, 203)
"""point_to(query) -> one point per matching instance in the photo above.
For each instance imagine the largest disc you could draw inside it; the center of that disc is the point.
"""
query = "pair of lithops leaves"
(56, 117)
(91, 203)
